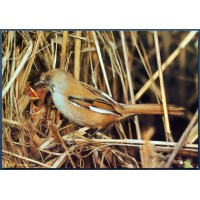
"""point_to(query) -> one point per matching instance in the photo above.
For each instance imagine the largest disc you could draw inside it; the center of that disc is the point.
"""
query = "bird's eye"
(48, 77)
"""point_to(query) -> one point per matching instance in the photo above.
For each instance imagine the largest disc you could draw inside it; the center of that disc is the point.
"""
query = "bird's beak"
(40, 82)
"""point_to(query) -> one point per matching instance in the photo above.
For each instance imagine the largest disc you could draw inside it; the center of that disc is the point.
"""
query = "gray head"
(55, 79)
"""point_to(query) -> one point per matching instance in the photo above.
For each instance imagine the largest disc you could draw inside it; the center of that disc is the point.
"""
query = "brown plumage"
(88, 106)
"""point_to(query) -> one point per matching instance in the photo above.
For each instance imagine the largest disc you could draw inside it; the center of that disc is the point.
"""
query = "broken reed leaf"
(35, 153)
(17, 71)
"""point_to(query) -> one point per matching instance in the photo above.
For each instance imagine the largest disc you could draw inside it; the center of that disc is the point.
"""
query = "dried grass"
(124, 64)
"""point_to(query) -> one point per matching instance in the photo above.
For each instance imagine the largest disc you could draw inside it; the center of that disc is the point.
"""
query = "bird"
(88, 106)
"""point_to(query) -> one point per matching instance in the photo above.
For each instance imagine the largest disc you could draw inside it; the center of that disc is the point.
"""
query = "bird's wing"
(96, 105)
(99, 93)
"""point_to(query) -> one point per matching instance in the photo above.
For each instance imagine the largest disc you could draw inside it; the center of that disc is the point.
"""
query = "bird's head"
(53, 79)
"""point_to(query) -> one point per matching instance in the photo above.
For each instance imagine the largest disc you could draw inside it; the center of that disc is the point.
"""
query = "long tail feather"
(156, 109)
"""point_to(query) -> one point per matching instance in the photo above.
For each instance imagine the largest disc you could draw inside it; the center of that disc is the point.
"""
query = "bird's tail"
(154, 109)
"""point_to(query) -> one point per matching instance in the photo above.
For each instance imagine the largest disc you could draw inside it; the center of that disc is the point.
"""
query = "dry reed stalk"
(11, 122)
(77, 56)
(182, 139)
(64, 50)
(26, 159)
(169, 60)
(146, 65)
(27, 70)
(55, 54)
(17, 71)
(47, 56)
(193, 135)
(130, 83)
(57, 136)
(164, 102)
(101, 62)
(131, 142)
(61, 159)
(7, 53)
